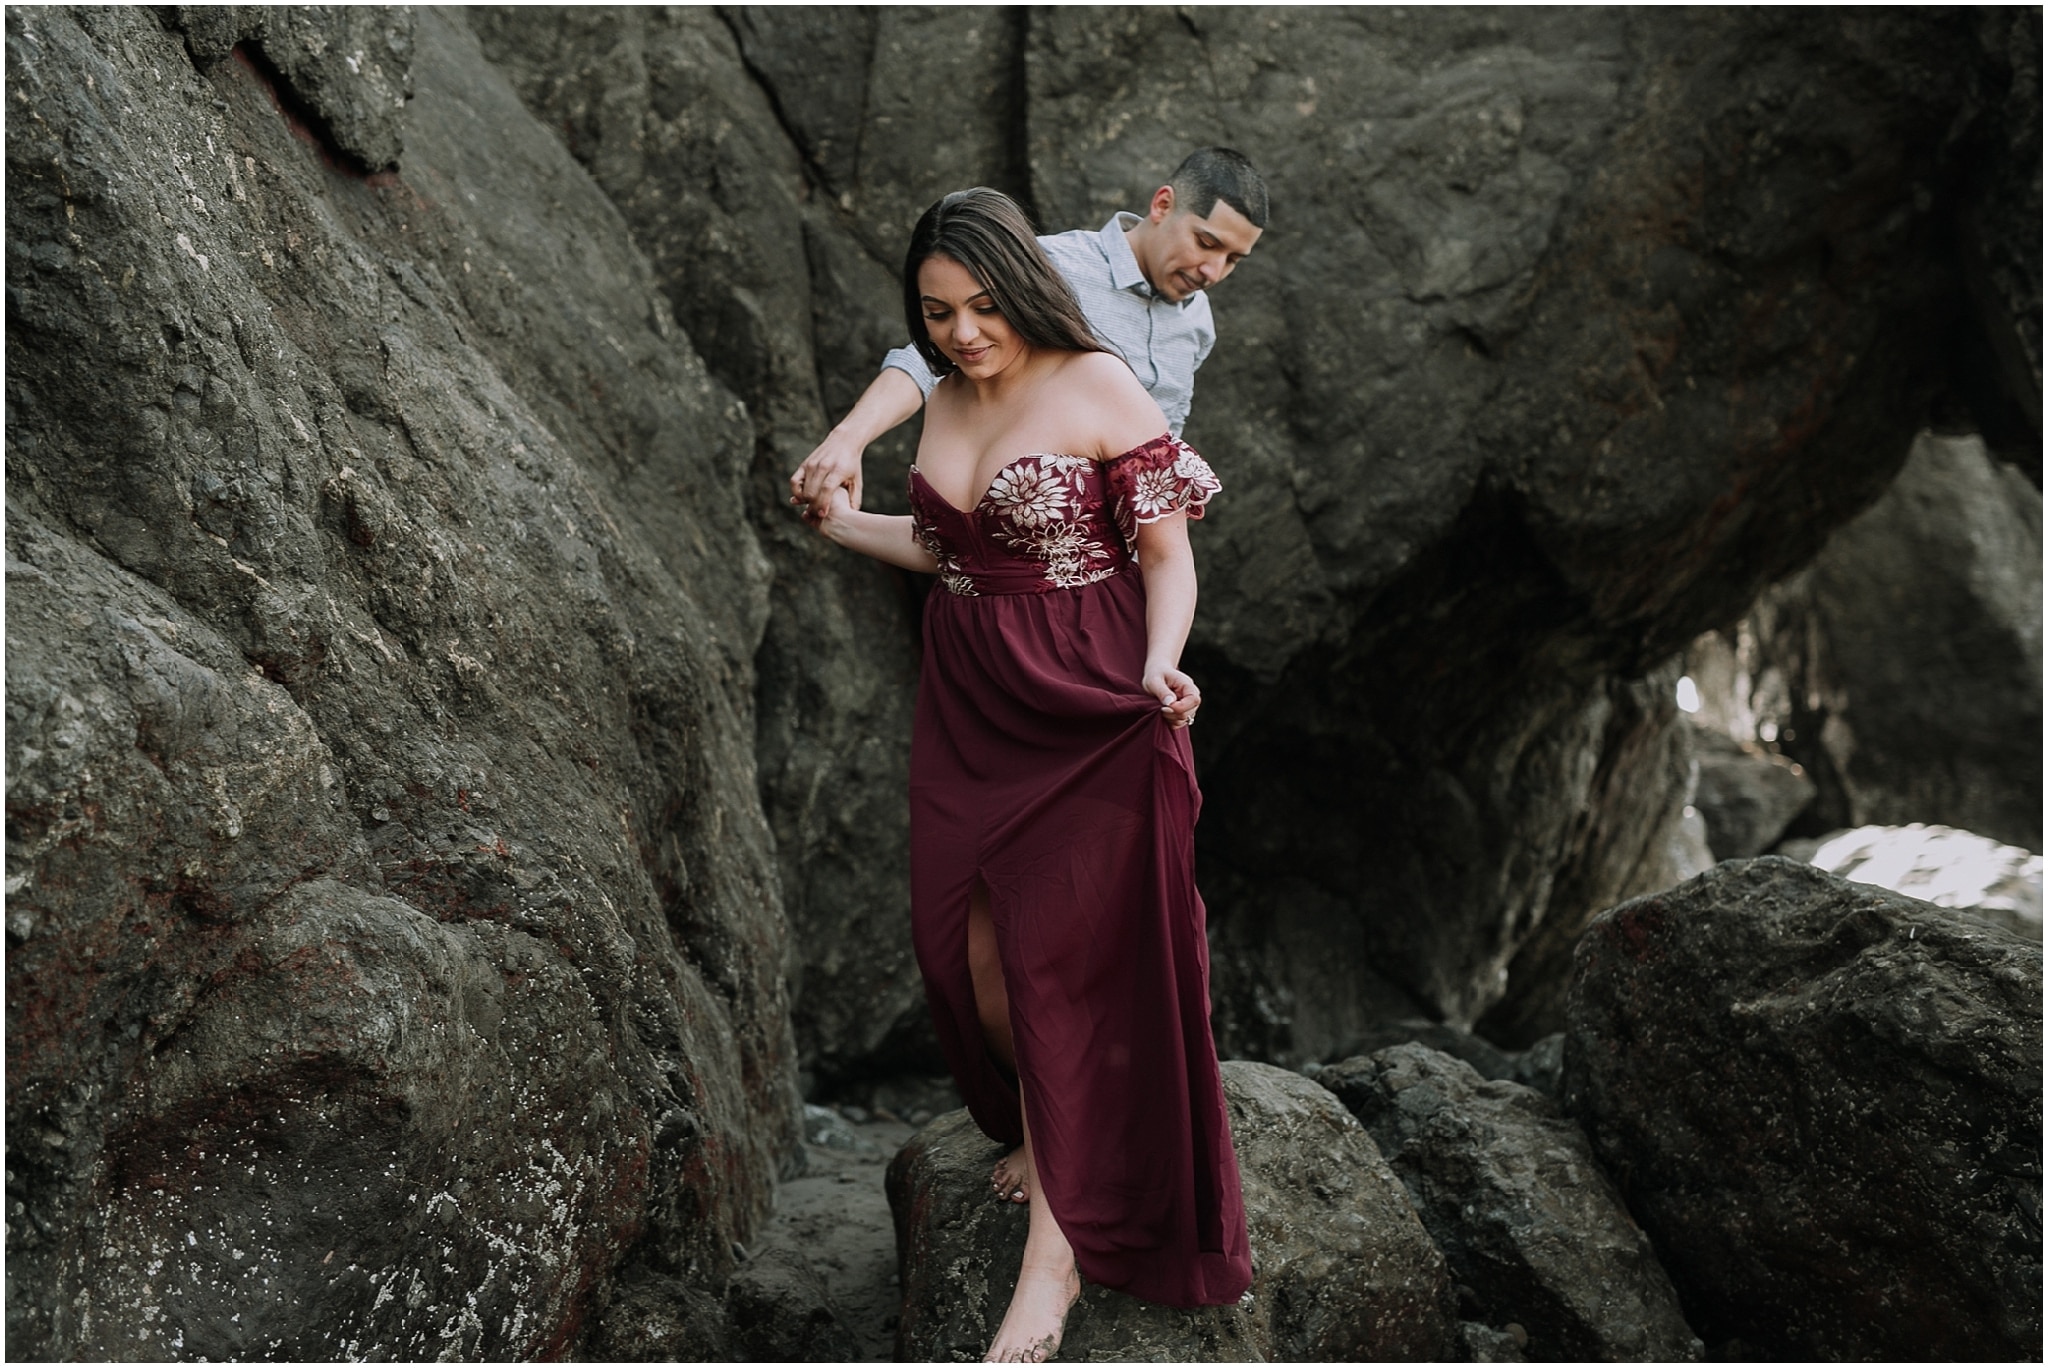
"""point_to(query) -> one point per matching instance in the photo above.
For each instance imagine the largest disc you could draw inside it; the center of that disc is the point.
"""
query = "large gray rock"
(1746, 795)
(1823, 1101)
(1510, 1192)
(394, 954)
(1342, 1268)
(1903, 668)
(1505, 417)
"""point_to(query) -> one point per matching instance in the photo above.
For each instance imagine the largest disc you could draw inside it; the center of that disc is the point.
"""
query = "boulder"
(779, 1311)
(1342, 1268)
(1746, 796)
(1823, 1102)
(1902, 670)
(1488, 1059)
(1541, 1066)
(1509, 1190)
(645, 1316)
(1633, 830)
(395, 959)
(1536, 1067)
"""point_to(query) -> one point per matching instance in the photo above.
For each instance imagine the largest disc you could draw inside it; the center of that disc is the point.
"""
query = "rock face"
(1342, 1268)
(793, 299)
(1823, 1101)
(1903, 669)
(394, 951)
(1574, 329)
(1510, 1192)
(1996, 369)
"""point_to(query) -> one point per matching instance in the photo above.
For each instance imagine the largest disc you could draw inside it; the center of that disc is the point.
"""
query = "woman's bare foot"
(1047, 1283)
(1037, 1317)
(1011, 1179)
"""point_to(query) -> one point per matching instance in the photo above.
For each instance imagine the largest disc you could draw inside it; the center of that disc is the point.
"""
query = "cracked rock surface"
(394, 952)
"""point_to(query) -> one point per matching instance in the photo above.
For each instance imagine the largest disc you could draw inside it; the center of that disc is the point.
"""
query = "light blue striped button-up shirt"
(1164, 342)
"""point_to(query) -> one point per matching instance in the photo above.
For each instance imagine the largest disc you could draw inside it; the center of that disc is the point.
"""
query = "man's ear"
(1162, 204)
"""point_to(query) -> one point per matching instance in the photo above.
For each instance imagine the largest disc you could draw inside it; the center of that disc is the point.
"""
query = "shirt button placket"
(1152, 342)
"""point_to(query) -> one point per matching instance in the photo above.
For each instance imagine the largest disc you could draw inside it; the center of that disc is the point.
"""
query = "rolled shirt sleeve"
(911, 362)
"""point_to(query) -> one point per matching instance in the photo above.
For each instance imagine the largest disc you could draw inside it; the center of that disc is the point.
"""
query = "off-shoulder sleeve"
(1163, 477)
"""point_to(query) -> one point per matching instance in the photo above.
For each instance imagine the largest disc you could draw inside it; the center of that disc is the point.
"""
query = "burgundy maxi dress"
(1041, 768)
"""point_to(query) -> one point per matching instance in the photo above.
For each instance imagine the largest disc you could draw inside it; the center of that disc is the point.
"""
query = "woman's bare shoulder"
(1102, 372)
(1122, 413)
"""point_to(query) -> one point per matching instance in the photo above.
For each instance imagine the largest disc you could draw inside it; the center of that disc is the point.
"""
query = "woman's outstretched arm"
(1168, 564)
(872, 534)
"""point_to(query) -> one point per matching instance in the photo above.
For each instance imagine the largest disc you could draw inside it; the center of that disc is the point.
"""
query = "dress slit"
(995, 1060)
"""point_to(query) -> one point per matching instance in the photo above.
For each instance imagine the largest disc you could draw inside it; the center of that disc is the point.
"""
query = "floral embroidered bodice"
(1050, 521)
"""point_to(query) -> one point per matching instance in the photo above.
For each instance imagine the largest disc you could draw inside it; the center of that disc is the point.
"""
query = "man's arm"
(892, 397)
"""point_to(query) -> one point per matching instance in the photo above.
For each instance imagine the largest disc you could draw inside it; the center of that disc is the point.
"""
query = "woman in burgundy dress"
(1052, 786)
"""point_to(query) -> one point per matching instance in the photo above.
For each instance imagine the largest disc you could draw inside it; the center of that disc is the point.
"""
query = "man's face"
(1189, 251)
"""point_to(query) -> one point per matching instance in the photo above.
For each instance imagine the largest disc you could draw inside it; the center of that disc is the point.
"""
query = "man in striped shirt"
(1141, 283)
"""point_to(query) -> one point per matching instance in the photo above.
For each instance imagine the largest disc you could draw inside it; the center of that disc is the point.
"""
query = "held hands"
(828, 516)
(1178, 697)
(833, 465)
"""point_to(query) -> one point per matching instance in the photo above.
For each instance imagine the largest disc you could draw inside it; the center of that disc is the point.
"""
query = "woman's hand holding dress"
(1168, 565)
(1177, 694)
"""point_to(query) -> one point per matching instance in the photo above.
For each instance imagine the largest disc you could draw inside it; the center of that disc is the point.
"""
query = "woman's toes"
(1008, 1179)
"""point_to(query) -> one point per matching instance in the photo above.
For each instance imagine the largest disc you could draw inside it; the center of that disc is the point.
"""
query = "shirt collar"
(1123, 263)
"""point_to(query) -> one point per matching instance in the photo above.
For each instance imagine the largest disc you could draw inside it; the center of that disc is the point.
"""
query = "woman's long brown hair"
(987, 233)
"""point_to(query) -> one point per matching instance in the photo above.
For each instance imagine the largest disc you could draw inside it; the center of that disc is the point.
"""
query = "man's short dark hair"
(1219, 173)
